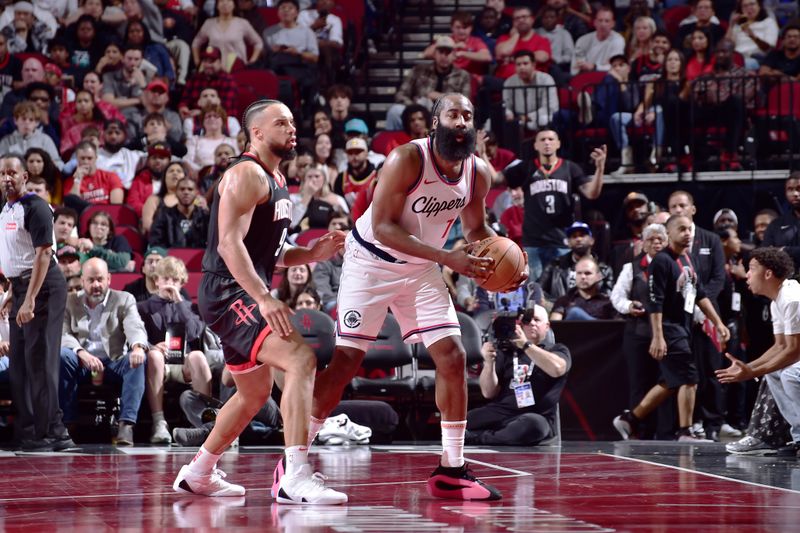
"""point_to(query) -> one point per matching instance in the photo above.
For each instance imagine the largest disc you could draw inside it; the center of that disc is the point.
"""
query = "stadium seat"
(269, 14)
(318, 330)
(309, 237)
(121, 214)
(193, 285)
(120, 279)
(387, 352)
(131, 235)
(386, 141)
(471, 338)
(191, 257)
(253, 84)
(138, 260)
(672, 18)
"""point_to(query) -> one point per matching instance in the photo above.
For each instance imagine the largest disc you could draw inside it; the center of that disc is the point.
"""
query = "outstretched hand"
(738, 371)
(327, 245)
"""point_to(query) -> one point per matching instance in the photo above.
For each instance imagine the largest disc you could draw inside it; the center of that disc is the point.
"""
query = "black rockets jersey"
(549, 207)
(268, 228)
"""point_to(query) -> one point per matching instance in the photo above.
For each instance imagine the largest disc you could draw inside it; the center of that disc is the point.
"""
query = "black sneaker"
(458, 483)
(790, 450)
(626, 424)
(63, 442)
(36, 445)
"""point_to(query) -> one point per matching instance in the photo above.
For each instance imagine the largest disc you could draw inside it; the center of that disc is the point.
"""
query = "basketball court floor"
(580, 487)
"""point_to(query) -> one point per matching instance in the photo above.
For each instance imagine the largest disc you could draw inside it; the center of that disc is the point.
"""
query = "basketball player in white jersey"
(392, 261)
(770, 275)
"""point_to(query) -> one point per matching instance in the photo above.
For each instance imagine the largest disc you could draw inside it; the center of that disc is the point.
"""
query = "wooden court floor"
(581, 487)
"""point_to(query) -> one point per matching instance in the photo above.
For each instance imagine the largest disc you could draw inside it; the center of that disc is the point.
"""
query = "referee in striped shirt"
(39, 295)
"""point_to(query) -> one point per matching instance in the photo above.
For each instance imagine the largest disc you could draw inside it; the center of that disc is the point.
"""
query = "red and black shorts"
(233, 315)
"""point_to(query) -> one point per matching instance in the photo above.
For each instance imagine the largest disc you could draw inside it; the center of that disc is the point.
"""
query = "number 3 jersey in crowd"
(549, 207)
(432, 205)
(227, 308)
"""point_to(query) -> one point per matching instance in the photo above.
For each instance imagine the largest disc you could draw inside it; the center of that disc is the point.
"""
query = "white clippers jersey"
(432, 205)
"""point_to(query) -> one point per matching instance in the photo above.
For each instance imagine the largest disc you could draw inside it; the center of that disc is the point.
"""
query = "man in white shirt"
(530, 96)
(115, 157)
(328, 29)
(594, 50)
(769, 273)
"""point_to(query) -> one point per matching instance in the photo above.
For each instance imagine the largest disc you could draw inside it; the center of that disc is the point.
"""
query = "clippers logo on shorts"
(243, 312)
(432, 206)
(352, 319)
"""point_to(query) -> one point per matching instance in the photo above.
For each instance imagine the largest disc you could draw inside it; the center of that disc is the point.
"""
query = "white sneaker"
(748, 445)
(728, 430)
(161, 433)
(698, 430)
(211, 485)
(306, 488)
(340, 428)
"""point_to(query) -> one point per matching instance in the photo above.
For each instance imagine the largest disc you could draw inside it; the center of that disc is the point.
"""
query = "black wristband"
(527, 345)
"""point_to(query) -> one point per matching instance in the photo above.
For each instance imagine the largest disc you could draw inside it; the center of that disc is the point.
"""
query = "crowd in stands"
(125, 116)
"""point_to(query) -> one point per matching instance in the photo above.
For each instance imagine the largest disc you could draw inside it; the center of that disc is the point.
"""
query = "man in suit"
(103, 336)
(706, 250)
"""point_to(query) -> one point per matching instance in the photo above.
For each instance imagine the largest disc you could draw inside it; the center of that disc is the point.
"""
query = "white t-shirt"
(786, 309)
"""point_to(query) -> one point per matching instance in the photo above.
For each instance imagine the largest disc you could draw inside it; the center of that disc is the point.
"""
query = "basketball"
(509, 262)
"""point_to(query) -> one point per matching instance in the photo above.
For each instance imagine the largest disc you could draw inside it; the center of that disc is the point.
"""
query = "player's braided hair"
(252, 110)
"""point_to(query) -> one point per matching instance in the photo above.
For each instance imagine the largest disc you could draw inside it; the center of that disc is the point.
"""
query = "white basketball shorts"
(416, 294)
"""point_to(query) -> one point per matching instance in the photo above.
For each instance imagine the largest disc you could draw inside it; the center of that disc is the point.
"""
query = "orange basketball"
(509, 262)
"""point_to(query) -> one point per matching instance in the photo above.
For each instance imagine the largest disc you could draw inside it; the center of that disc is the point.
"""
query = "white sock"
(158, 416)
(204, 462)
(314, 425)
(296, 457)
(453, 442)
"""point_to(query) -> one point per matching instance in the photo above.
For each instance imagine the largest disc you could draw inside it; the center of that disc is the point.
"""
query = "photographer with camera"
(523, 375)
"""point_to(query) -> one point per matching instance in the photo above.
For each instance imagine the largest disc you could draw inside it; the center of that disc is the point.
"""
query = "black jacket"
(559, 276)
(158, 313)
(171, 229)
(785, 231)
(710, 262)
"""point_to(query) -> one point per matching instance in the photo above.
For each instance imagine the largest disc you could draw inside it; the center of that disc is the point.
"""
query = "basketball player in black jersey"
(250, 217)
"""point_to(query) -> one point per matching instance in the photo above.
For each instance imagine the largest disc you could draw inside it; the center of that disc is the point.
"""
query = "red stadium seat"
(253, 84)
(138, 260)
(269, 14)
(672, 18)
(306, 238)
(193, 285)
(121, 214)
(191, 257)
(131, 235)
(492, 195)
(120, 279)
(386, 141)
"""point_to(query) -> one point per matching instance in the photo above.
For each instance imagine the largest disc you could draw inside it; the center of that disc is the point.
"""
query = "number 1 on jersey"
(447, 228)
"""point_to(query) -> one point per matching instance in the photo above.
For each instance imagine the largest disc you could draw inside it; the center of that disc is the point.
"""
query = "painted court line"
(690, 471)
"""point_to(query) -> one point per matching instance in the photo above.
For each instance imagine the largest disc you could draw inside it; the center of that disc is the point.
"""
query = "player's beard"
(451, 148)
(286, 154)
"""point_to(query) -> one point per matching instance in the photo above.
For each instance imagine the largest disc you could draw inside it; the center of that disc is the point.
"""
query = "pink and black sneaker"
(280, 468)
(458, 483)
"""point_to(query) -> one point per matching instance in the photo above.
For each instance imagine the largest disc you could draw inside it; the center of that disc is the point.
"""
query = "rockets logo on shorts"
(352, 319)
